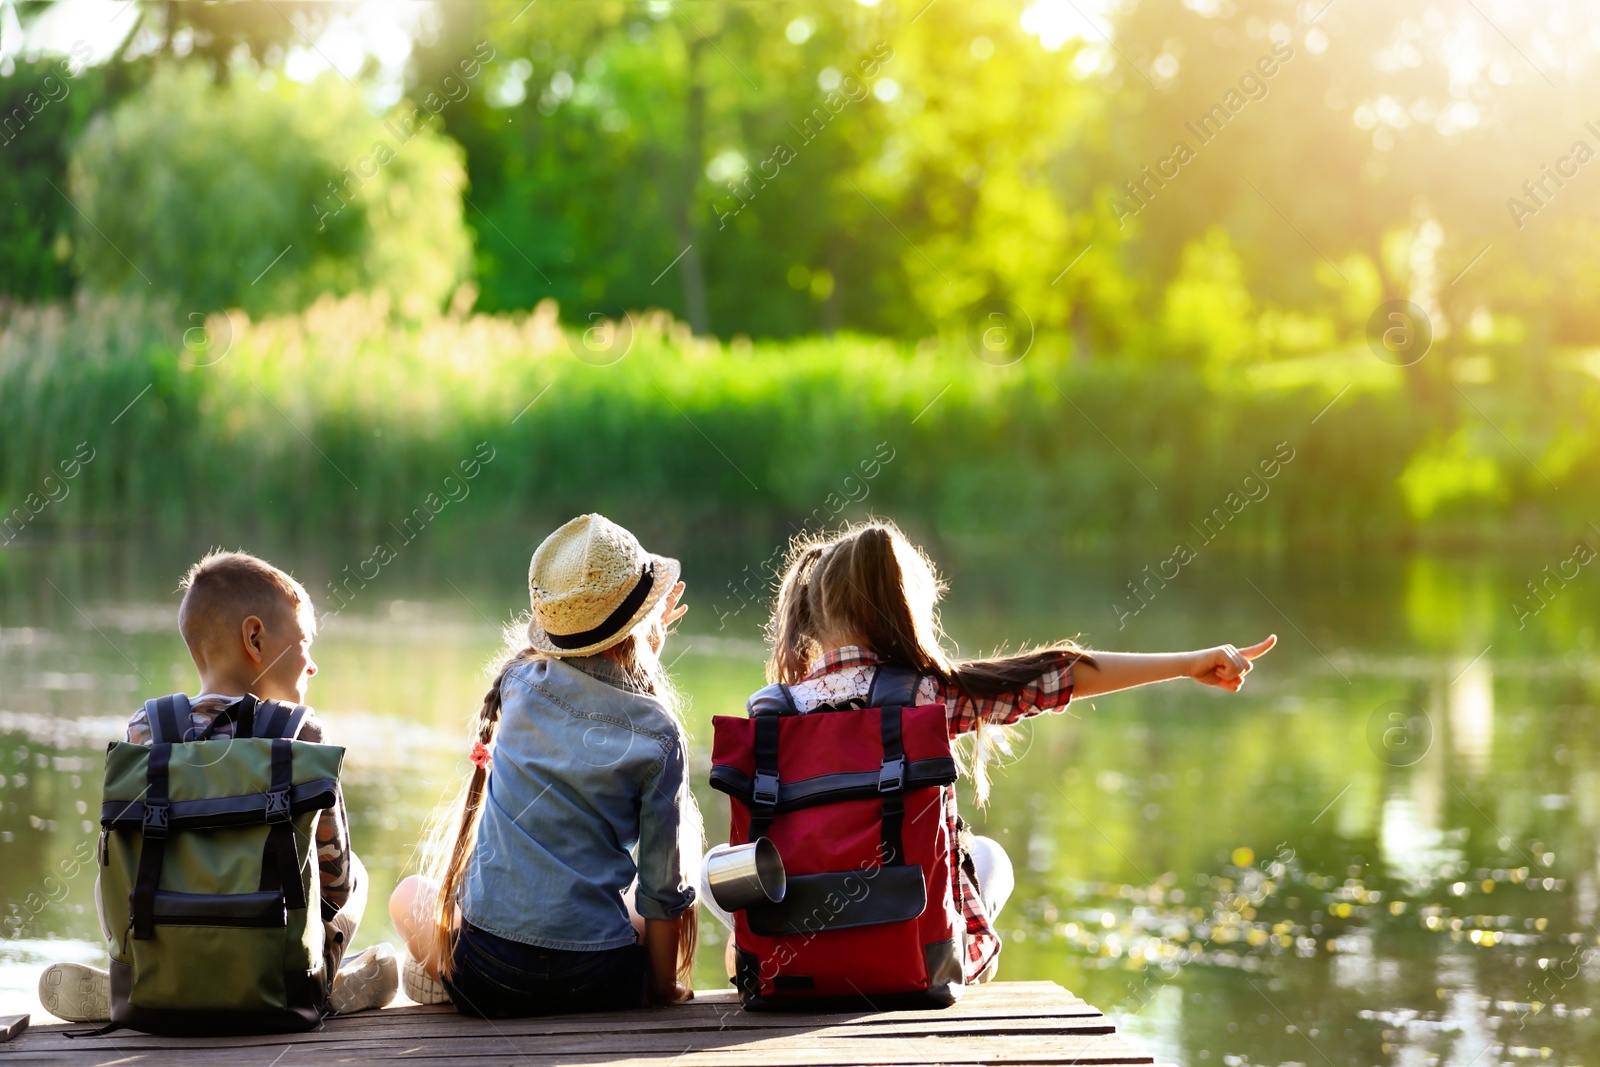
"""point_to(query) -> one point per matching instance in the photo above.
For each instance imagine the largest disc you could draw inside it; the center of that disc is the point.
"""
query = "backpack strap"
(153, 845)
(280, 861)
(774, 699)
(297, 721)
(892, 784)
(892, 689)
(164, 714)
(893, 685)
(767, 707)
(277, 721)
(254, 717)
(241, 715)
(764, 787)
(279, 718)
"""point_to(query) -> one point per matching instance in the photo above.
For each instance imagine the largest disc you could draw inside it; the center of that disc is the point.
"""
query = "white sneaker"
(76, 992)
(366, 980)
(419, 987)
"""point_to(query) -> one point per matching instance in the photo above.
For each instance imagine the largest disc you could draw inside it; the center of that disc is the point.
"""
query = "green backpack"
(209, 879)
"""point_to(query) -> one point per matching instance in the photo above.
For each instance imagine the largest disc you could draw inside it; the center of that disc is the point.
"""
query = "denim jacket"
(584, 769)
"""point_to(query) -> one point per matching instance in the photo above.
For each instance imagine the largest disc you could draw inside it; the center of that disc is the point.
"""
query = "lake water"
(1382, 851)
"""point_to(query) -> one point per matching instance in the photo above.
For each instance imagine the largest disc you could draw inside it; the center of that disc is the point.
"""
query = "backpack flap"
(166, 790)
(214, 784)
(828, 757)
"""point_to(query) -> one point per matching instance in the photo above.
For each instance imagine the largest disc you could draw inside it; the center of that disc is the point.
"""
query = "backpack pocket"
(246, 965)
(248, 910)
(842, 900)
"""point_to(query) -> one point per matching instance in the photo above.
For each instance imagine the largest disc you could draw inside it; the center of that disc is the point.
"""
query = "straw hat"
(590, 584)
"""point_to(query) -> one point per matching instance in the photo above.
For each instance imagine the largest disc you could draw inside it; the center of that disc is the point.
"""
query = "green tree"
(262, 198)
(42, 106)
(788, 156)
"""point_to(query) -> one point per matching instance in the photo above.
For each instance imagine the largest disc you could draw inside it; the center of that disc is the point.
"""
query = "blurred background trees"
(991, 144)
(1226, 190)
(233, 196)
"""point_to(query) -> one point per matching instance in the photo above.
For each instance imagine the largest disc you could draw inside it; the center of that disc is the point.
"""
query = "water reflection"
(1415, 846)
(1470, 703)
(1249, 880)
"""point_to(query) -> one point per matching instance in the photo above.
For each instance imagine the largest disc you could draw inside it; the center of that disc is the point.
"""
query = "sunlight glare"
(382, 30)
(1055, 22)
(101, 24)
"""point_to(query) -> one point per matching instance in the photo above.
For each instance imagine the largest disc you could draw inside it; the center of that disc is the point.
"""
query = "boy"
(249, 627)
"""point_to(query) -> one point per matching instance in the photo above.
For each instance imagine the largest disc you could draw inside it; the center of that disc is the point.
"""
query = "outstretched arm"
(1224, 666)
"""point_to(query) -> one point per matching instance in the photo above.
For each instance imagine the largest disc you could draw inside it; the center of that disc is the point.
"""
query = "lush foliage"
(44, 106)
(947, 155)
(1189, 216)
(345, 417)
(206, 186)
(886, 168)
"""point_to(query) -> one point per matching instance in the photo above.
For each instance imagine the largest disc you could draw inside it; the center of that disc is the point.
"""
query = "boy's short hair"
(225, 588)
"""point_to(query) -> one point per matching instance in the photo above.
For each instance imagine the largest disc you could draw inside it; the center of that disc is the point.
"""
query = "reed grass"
(346, 416)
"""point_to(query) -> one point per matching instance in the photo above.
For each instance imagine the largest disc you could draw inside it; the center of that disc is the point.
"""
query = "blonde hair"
(448, 850)
(870, 584)
(225, 588)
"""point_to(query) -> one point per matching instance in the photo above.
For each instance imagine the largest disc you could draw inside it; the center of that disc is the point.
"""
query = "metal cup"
(745, 875)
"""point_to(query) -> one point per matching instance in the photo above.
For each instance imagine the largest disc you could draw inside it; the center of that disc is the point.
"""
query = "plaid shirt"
(845, 674)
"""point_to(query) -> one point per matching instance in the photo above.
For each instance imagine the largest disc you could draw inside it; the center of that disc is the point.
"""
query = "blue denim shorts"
(497, 978)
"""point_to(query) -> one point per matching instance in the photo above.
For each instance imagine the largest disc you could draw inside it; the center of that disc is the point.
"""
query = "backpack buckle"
(892, 776)
(765, 791)
(278, 809)
(155, 819)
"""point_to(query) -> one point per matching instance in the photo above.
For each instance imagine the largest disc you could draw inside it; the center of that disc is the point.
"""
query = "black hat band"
(614, 622)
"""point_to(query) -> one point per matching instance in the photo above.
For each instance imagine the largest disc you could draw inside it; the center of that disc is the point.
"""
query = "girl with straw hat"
(580, 752)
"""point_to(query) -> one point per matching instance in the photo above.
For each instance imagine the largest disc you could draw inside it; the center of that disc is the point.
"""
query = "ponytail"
(871, 585)
(792, 630)
(451, 863)
(977, 679)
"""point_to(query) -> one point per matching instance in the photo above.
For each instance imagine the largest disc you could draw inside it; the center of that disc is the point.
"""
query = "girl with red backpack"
(855, 627)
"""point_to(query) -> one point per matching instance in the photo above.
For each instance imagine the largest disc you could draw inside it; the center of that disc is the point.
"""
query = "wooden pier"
(1001, 1023)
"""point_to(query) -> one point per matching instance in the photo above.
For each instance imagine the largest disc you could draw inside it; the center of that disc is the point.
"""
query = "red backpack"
(855, 800)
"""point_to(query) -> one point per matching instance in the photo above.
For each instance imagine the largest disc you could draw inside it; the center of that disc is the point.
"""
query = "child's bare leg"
(411, 909)
(633, 913)
(704, 898)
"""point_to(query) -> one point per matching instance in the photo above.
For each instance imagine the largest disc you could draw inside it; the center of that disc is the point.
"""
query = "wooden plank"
(989, 992)
(616, 1050)
(768, 1049)
(722, 1013)
(797, 1049)
(1020, 1023)
(907, 1051)
(11, 1026)
(446, 1028)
